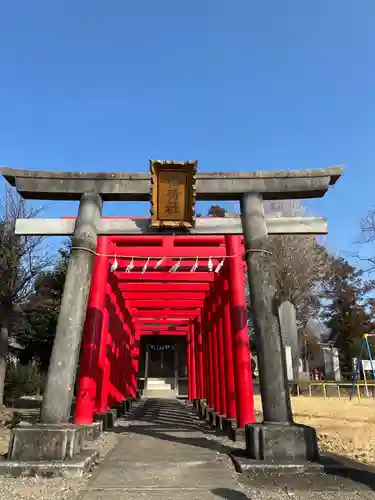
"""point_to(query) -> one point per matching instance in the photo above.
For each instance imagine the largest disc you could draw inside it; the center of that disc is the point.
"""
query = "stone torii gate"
(278, 437)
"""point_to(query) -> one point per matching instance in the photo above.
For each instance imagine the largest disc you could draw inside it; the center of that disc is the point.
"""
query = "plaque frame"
(186, 207)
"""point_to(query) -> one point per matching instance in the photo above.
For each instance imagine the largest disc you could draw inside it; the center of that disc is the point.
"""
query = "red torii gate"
(209, 308)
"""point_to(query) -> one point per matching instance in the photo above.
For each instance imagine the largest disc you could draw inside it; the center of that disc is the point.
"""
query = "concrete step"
(159, 387)
(156, 380)
(160, 394)
(158, 384)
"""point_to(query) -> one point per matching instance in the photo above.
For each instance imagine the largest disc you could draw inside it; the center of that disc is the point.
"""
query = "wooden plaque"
(173, 194)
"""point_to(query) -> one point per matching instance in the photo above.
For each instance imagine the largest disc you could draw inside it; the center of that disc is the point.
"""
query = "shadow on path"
(229, 494)
(174, 421)
(166, 419)
(164, 452)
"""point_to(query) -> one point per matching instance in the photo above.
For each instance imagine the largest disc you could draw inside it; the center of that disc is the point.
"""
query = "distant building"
(327, 360)
(325, 364)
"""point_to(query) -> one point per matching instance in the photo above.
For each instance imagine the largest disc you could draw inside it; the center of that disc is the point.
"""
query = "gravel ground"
(336, 421)
(264, 494)
(41, 488)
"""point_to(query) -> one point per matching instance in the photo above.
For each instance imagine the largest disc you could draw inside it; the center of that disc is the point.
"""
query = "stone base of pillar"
(281, 443)
(129, 402)
(208, 415)
(228, 423)
(196, 404)
(45, 442)
(50, 449)
(120, 409)
(235, 433)
(107, 419)
(283, 471)
(212, 416)
(220, 419)
(113, 418)
(202, 409)
(75, 468)
(91, 432)
(125, 407)
(232, 431)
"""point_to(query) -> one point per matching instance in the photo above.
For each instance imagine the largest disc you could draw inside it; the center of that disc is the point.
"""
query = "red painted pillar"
(124, 360)
(134, 355)
(119, 359)
(89, 374)
(119, 351)
(193, 371)
(188, 347)
(205, 366)
(124, 388)
(206, 370)
(123, 370)
(228, 356)
(210, 351)
(204, 354)
(120, 364)
(199, 349)
(112, 362)
(240, 337)
(114, 372)
(130, 378)
(221, 363)
(215, 355)
(128, 364)
(128, 343)
(104, 362)
(135, 362)
(121, 381)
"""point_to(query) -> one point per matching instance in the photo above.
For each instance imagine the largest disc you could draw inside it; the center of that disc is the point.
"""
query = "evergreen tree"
(22, 259)
(347, 311)
(37, 321)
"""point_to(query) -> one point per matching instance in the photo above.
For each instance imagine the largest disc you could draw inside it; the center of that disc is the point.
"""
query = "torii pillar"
(278, 438)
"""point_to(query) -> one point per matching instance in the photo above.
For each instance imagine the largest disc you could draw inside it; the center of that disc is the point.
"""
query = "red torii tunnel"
(137, 293)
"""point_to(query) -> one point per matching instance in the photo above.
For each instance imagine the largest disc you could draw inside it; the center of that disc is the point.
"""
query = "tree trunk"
(5, 324)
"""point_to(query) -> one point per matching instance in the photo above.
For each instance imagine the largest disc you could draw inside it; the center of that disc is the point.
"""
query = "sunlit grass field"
(343, 426)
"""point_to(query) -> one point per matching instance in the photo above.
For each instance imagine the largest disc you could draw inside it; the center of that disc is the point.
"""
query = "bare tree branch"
(22, 259)
(302, 264)
(367, 238)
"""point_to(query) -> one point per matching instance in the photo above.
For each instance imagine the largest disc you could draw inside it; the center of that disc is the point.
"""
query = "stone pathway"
(161, 455)
(165, 453)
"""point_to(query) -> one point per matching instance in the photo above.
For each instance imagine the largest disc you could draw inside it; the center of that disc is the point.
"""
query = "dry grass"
(343, 426)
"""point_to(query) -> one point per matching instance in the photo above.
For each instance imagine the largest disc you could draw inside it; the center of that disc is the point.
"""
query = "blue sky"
(240, 85)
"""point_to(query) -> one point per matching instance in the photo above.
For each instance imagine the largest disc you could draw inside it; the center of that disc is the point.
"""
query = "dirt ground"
(6, 416)
(344, 427)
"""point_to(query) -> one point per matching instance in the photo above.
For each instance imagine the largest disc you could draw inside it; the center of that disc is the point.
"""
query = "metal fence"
(327, 389)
